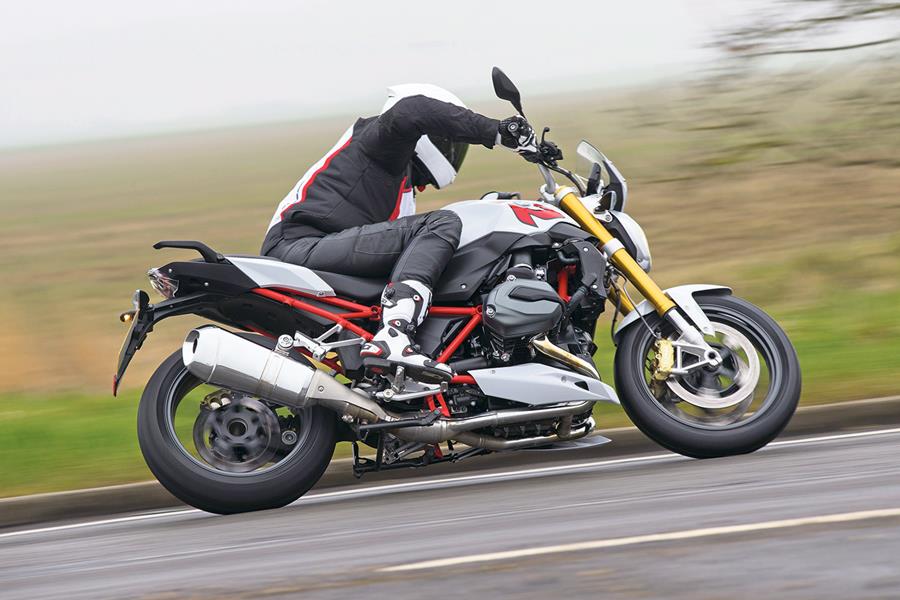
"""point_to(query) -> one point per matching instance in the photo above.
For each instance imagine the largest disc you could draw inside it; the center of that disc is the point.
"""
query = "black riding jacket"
(362, 179)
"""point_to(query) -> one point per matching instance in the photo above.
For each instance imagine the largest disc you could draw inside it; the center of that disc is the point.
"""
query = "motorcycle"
(249, 419)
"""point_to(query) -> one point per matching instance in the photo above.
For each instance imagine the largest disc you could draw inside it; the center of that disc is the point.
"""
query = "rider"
(353, 211)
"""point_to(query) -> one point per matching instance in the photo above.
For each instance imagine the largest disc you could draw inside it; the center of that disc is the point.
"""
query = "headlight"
(632, 237)
(166, 286)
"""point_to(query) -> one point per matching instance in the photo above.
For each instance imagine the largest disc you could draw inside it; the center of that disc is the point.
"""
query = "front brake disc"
(742, 374)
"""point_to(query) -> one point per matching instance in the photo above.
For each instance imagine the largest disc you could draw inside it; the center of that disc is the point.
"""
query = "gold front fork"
(623, 261)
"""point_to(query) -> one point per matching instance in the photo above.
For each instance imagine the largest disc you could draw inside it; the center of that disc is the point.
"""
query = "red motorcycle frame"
(298, 301)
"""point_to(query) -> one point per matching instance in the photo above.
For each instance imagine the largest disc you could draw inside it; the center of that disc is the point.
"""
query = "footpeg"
(386, 368)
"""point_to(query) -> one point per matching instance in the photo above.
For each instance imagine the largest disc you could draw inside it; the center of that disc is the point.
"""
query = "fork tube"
(623, 261)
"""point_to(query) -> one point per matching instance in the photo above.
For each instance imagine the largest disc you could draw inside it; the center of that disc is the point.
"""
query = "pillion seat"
(269, 272)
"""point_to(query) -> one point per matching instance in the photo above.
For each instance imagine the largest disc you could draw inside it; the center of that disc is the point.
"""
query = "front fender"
(683, 297)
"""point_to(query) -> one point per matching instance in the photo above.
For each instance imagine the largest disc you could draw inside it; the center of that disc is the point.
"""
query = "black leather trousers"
(416, 247)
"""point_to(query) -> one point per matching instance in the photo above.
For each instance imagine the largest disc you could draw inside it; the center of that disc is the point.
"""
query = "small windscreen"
(588, 156)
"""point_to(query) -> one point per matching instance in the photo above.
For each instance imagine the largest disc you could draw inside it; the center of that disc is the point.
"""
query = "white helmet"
(437, 159)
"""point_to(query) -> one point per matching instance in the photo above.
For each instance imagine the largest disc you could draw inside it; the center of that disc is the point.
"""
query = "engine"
(517, 311)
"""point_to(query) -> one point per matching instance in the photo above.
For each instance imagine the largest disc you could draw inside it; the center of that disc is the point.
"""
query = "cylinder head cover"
(522, 308)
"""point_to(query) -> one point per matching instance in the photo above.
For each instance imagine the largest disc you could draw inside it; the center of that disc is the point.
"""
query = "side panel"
(471, 265)
(268, 273)
(481, 218)
(540, 385)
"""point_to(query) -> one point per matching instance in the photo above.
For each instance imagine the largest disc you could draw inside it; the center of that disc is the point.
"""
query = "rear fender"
(149, 315)
(683, 297)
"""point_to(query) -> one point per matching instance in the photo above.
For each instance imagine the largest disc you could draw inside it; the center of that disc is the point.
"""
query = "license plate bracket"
(141, 325)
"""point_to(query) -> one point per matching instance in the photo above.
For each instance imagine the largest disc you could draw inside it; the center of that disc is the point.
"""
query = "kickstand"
(365, 465)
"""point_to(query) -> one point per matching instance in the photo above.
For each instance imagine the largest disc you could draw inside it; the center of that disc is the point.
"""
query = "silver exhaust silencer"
(222, 358)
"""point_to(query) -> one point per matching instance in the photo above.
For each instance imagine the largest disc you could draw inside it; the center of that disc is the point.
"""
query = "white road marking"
(644, 539)
(828, 438)
(449, 482)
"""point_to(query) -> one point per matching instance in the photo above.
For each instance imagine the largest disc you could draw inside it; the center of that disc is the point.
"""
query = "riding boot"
(404, 306)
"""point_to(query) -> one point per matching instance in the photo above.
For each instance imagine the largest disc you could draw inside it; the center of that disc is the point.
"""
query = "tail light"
(166, 286)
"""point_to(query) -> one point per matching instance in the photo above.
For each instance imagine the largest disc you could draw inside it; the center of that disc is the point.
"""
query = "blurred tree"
(809, 26)
(757, 108)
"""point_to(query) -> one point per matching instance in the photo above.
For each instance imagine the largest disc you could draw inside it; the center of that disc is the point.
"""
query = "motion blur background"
(761, 142)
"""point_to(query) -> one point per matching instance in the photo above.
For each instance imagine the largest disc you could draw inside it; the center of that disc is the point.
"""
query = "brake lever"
(544, 133)
(549, 151)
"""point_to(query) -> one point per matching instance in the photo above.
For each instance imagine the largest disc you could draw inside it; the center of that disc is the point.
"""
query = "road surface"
(812, 517)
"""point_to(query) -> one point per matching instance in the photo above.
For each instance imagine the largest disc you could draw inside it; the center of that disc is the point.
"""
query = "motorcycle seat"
(361, 289)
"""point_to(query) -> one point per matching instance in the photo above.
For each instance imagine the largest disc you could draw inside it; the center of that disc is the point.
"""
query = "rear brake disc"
(236, 433)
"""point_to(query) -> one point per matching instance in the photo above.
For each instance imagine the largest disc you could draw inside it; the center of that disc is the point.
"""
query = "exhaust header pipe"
(579, 365)
(222, 358)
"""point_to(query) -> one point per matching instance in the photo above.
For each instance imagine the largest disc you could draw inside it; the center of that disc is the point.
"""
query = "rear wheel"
(735, 408)
(224, 451)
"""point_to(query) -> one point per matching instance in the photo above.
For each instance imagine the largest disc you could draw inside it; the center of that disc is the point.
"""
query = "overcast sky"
(99, 68)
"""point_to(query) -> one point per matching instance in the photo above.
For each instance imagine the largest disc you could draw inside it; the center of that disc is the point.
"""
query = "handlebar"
(549, 181)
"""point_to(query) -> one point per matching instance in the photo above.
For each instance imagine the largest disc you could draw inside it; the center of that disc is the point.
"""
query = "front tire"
(218, 490)
(700, 432)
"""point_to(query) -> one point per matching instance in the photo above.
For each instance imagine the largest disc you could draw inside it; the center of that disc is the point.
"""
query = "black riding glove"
(516, 134)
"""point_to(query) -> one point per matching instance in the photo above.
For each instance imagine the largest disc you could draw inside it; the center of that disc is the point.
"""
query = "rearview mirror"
(506, 89)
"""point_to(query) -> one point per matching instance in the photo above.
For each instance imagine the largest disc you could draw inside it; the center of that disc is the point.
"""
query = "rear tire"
(219, 491)
(701, 441)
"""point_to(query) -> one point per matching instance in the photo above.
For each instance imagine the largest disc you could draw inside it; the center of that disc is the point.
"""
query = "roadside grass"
(60, 441)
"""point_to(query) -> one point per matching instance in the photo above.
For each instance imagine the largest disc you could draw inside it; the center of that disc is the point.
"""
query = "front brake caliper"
(664, 359)
(661, 366)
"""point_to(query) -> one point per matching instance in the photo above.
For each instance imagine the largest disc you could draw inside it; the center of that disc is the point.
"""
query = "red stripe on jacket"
(313, 177)
(403, 190)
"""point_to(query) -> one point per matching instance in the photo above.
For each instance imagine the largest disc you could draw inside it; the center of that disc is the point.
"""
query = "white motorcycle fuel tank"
(490, 228)
(481, 218)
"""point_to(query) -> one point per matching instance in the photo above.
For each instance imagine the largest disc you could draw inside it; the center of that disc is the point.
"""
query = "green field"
(804, 226)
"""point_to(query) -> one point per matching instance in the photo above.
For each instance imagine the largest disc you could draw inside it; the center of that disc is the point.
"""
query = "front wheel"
(736, 408)
(226, 452)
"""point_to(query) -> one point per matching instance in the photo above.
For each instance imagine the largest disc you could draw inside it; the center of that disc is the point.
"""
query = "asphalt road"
(813, 517)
